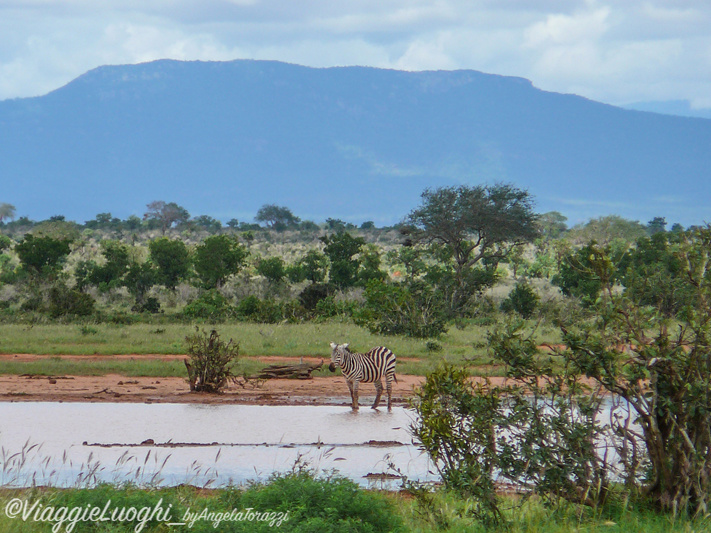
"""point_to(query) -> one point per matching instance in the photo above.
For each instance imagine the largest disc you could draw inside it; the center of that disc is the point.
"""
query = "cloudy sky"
(615, 51)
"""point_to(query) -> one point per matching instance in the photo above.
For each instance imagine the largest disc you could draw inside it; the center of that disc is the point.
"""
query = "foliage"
(171, 259)
(583, 273)
(413, 309)
(475, 224)
(5, 242)
(7, 211)
(210, 305)
(653, 274)
(57, 228)
(207, 223)
(64, 301)
(38, 254)
(112, 272)
(370, 263)
(139, 279)
(217, 258)
(313, 267)
(272, 268)
(314, 293)
(656, 225)
(522, 300)
(541, 433)
(660, 368)
(605, 230)
(165, 215)
(333, 504)
(268, 311)
(276, 217)
(545, 431)
(341, 249)
(552, 224)
(211, 361)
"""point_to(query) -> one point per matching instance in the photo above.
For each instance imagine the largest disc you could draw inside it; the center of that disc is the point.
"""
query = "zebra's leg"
(354, 395)
(350, 389)
(389, 386)
(379, 389)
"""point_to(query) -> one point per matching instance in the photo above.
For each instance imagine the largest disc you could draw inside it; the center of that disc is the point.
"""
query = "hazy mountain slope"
(352, 143)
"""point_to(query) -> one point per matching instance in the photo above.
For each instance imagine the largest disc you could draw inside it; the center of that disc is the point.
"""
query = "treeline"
(166, 216)
(417, 279)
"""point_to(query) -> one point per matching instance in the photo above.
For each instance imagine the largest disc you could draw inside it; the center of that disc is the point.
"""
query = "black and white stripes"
(368, 367)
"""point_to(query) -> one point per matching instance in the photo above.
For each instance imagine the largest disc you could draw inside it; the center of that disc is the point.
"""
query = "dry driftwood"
(295, 371)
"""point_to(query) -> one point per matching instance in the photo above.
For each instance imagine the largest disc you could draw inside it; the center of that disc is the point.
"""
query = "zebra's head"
(337, 352)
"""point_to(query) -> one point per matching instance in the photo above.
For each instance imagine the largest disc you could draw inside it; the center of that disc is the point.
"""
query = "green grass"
(334, 505)
(288, 340)
(451, 514)
(58, 366)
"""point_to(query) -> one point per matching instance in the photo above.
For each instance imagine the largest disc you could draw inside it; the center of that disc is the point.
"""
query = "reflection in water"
(66, 444)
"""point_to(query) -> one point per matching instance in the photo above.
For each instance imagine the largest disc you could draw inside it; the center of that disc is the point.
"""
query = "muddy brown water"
(75, 444)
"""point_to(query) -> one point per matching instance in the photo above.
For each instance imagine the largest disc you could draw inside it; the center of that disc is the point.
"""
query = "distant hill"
(680, 108)
(224, 138)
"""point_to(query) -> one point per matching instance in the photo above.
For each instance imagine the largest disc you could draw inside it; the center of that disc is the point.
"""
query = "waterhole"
(77, 444)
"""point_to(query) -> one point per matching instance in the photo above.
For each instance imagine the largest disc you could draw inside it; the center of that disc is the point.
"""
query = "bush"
(210, 361)
(269, 311)
(149, 305)
(522, 300)
(414, 309)
(210, 305)
(330, 308)
(314, 293)
(334, 505)
(64, 301)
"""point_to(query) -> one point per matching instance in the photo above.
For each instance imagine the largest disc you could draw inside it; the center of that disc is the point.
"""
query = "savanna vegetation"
(611, 316)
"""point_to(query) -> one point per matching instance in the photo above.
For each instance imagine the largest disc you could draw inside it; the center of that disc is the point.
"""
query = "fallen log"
(295, 371)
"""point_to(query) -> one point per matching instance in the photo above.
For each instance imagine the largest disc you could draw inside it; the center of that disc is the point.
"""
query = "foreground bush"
(546, 431)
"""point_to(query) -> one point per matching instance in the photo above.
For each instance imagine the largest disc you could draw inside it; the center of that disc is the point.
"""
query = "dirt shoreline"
(331, 390)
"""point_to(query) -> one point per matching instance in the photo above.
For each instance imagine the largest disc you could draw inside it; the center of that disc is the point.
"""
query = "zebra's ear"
(333, 346)
(346, 345)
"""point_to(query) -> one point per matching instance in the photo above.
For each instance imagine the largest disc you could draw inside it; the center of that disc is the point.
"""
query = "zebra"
(366, 367)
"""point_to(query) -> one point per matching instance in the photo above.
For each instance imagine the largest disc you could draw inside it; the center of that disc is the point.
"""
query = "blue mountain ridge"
(356, 143)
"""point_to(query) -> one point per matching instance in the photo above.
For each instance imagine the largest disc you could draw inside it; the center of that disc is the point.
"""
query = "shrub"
(210, 305)
(63, 301)
(269, 311)
(329, 307)
(414, 309)
(148, 305)
(210, 361)
(314, 293)
(522, 300)
(334, 504)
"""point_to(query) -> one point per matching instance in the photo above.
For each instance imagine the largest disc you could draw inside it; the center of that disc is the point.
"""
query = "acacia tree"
(276, 217)
(475, 225)
(166, 214)
(7, 211)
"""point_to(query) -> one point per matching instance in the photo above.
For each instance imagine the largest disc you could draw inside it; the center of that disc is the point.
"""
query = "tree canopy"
(475, 222)
(277, 217)
(166, 214)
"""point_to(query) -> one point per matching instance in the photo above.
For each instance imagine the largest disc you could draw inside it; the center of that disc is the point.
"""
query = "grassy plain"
(311, 339)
